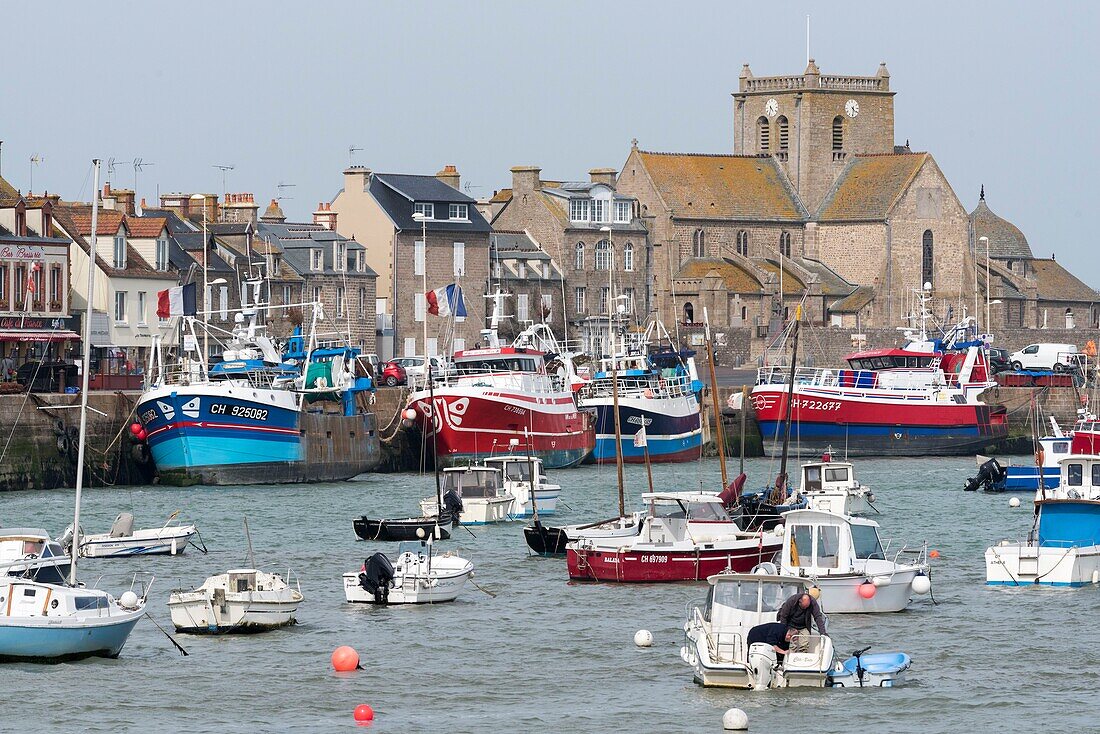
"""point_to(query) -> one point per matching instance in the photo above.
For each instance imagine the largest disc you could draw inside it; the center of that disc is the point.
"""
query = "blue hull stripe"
(63, 642)
(605, 447)
(184, 452)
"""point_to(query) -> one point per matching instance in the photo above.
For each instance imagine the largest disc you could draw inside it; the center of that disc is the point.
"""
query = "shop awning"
(32, 335)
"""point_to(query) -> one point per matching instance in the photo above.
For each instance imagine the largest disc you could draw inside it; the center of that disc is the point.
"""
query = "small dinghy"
(877, 670)
(411, 528)
(171, 539)
(239, 600)
(416, 576)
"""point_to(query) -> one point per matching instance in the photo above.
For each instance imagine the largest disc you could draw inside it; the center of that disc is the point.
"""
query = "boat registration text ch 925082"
(239, 411)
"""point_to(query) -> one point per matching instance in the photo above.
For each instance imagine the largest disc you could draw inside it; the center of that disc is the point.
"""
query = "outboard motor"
(452, 507)
(376, 577)
(989, 474)
(762, 662)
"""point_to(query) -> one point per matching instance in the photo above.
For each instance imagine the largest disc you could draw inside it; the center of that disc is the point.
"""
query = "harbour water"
(545, 654)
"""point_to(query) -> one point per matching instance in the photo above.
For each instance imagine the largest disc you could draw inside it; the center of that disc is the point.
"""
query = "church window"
(603, 255)
(689, 313)
(698, 244)
(743, 243)
(785, 244)
(781, 122)
(578, 258)
(764, 134)
(838, 133)
(927, 257)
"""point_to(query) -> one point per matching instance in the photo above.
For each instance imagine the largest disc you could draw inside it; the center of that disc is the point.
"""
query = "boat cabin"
(889, 359)
(822, 543)
(693, 516)
(498, 359)
(515, 468)
(29, 544)
(826, 476)
(1079, 479)
(31, 599)
(748, 599)
(472, 481)
(1069, 516)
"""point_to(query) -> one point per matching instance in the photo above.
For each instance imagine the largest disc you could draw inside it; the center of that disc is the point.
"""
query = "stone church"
(818, 205)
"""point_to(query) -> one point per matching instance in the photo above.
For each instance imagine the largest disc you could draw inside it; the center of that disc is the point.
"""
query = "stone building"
(593, 232)
(529, 280)
(378, 210)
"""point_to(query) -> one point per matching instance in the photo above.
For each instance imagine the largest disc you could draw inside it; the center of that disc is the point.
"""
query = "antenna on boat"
(248, 537)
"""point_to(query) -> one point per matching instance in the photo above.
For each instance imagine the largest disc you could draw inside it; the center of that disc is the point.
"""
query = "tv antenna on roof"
(225, 169)
(352, 150)
(36, 160)
(280, 186)
(139, 164)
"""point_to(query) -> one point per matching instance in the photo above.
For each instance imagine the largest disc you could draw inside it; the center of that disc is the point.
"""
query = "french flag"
(446, 301)
(178, 301)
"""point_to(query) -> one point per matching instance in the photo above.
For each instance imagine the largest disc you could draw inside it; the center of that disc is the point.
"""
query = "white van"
(1057, 357)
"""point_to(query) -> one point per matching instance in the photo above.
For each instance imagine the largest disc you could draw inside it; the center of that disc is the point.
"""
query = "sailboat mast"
(87, 338)
(719, 435)
(781, 479)
(435, 440)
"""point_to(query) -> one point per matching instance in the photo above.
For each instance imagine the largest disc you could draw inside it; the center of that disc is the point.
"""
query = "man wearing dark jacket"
(797, 613)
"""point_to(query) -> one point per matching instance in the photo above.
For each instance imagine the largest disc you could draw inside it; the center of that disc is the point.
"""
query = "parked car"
(1043, 356)
(999, 360)
(414, 367)
(391, 375)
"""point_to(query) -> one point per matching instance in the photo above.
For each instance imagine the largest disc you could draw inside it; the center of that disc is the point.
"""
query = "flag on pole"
(640, 439)
(178, 301)
(446, 301)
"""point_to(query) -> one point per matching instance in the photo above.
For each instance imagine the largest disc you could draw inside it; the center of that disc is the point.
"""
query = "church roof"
(735, 276)
(855, 301)
(1006, 241)
(870, 186)
(831, 282)
(791, 282)
(1055, 283)
(706, 186)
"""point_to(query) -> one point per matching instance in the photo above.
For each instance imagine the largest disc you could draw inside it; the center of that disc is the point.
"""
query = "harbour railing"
(650, 386)
(916, 380)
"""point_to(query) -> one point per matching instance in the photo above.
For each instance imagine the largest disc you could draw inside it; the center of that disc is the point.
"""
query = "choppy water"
(545, 654)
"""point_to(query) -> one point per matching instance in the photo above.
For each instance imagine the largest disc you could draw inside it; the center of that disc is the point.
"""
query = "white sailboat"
(54, 621)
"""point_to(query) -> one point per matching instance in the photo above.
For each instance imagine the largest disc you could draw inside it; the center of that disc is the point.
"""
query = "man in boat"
(776, 634)
(797, 613)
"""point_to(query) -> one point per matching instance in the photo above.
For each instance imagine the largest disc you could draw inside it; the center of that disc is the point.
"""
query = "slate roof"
(1055, 283)
(723, 186)
(869, 187)
(856, 301)
(735, 276)
(176, 223)
(296, 239)
(191, 246)
(512, 248)
(1006, 241)
(396, 193)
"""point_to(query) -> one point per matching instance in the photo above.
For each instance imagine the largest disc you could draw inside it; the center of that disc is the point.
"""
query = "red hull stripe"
(208, 424)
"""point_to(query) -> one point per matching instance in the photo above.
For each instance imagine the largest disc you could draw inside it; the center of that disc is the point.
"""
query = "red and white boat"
(497, 400)
(920, 400)
(685, 536)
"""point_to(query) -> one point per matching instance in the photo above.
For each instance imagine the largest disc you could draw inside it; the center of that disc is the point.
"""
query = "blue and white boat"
(658, 392)
(256, 416)
(877, 670)
(1063, 546)
(994, 477)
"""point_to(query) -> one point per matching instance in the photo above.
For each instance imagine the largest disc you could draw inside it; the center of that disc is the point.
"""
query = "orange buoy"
(345, 659)
(866, 589)
(933, 554)
(363, 712)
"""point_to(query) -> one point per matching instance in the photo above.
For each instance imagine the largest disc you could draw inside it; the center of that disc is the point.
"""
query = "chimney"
(239, 208)
(449, 175)
(124, 200)
(356, 178)
(605, 176)
(324, 216)
(525, 179)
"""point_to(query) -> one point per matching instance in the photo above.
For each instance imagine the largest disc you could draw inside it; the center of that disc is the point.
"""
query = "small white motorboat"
(416, 576)
(516, 474)
(481, 491)
(716, 636)
(877, 670)
(31, 553)
(845, 558)
(239, 600)
(172, 538)
(831, 486)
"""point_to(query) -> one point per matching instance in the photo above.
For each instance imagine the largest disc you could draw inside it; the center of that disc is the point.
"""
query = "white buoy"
(735, 720)
(643, 638)
(1014, 502)
(921, 584)
(129, 600)
(778, 529)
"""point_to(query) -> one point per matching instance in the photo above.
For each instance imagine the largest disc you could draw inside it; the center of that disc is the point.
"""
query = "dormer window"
(316, 259)
(20, 223)
(274, 261)
(599, 210)
(622, 212)
(120, 252)
(162, 254)
(340, 256)
(47, 223)
(578, 210)
(458, 211)
(521, 269)
(359, 261)
(425, 208)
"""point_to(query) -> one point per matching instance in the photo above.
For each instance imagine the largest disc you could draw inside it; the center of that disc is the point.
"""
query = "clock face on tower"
(771, 107)
(851, 108)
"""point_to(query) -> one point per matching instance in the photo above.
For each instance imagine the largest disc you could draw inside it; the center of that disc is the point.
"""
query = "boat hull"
(674, 431)
(167, 542)
(475, 511)
(470, 424)
(876, 422)
(1027, 564)
(653, 565)
(400, 530)
(47, 641)
(1026, 479)
(840, 594)
(439, 587)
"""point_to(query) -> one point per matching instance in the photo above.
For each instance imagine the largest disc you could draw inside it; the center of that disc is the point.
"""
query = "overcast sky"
(281, 90)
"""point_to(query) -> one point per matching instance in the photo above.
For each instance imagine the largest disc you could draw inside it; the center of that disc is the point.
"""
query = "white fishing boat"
(846, 560)
(50, 622)
(239, 600)
(1063, 547)
(481, 491)
(32, 554)
(415, 576)
(831, 486)
(172, 538)
(516, 476)
(716, 636)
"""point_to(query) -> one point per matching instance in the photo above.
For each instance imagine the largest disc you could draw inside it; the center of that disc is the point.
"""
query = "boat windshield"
(85, 603)
(836, 475)
(673, 510)
(707, 511)
(865, 542)
(517, 471)
(745, 595)
(472, 482)
(497, 364)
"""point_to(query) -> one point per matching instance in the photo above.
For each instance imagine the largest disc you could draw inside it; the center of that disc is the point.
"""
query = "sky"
(282, 90)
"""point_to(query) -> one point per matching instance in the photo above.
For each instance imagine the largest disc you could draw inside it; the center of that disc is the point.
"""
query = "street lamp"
(423, 219)
(987, 283)
(205, 284)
